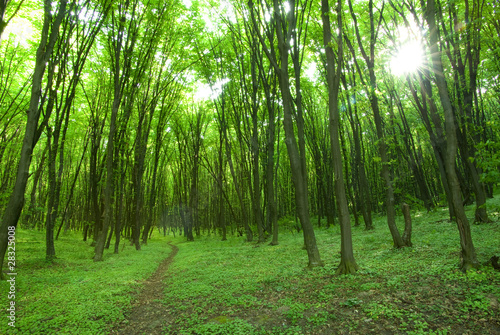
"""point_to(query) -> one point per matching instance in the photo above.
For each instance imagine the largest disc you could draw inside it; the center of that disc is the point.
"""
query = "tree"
(63, 80)
(468, 253)
(287, 29)
(3, 10)
(369, 58)
(123, 40)
(333, 68)
(465, 65)
(50, 33)
(147, 93)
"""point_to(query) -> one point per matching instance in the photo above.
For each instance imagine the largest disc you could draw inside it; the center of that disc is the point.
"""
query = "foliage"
(415, 290)
(195, 95)
(236, 287)
(488, 159)
(72, 295)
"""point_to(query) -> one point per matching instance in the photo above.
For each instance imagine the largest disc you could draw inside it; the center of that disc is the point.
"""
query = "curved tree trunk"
(468, 252)
(109, 188)
(347, 262)
(296, 151)
(382, 146)
(49, 35)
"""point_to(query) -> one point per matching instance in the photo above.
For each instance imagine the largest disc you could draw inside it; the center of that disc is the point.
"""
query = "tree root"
(346, 268)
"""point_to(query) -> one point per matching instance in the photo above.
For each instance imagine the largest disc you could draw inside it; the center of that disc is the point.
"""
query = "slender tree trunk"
(153, 192)
(110, 147)
(428, 112)
(480, 215)
(221, 215)
(468, 252)
(385, 172)
(414, 163)
(359, 166)
(119, 214)
(347, 261)
(44, 51)
(50, 251)
(382, 146)
(271, 210)
(71, 192)
(138, 174)
(407, 231)
(248, 230)
(197, 130)
(29, 218)
(257, 212)
(297, 164)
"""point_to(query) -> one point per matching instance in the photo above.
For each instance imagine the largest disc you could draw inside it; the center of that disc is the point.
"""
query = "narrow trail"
(148, 315)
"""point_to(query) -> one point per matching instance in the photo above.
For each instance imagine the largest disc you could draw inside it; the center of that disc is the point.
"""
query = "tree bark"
(347, 262)
(385, 172)
(109, 188)
(49, 35)
(468, 252)
(407, 231)
(297, 163)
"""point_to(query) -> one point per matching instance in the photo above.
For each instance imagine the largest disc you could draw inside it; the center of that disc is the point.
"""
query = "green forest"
(249, 167)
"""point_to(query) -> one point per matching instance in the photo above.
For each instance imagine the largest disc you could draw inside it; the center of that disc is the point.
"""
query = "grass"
(234, 287)
(72, 294)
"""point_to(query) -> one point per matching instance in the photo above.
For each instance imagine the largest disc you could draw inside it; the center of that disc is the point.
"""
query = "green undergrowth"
(234, 287)
(72, 294)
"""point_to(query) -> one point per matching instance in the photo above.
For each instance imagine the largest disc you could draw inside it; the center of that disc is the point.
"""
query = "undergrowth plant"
(72, 294)
(416, 290)
(236, 287)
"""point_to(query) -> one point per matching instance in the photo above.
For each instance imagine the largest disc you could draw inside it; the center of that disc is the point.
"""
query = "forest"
(338, 146)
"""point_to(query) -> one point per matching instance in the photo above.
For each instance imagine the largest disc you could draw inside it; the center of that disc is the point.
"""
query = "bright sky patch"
(408, 58)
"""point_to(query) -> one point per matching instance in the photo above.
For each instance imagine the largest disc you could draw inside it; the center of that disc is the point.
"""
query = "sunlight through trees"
(255, 118)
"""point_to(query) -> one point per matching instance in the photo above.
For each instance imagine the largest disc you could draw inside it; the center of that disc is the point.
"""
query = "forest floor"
(233, 287)
(147, 315)
(236, 287)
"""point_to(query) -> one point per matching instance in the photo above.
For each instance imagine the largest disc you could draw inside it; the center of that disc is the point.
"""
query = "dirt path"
(148, 315)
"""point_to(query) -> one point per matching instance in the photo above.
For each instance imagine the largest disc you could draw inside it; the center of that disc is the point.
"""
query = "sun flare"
(407, 59)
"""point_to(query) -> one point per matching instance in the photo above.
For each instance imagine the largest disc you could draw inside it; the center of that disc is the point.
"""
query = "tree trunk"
(427, 107)
(248, 230)
(412, 159)
(468, 252)
(50, 251)
(256, 196)
(44, 51)
(109, 188)
(271, 217)
(29, 219)
(72, 188)
(347, 262)
(119, 214)
(366, 207)
(297, 164)
(382, 146)
(407, 231)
